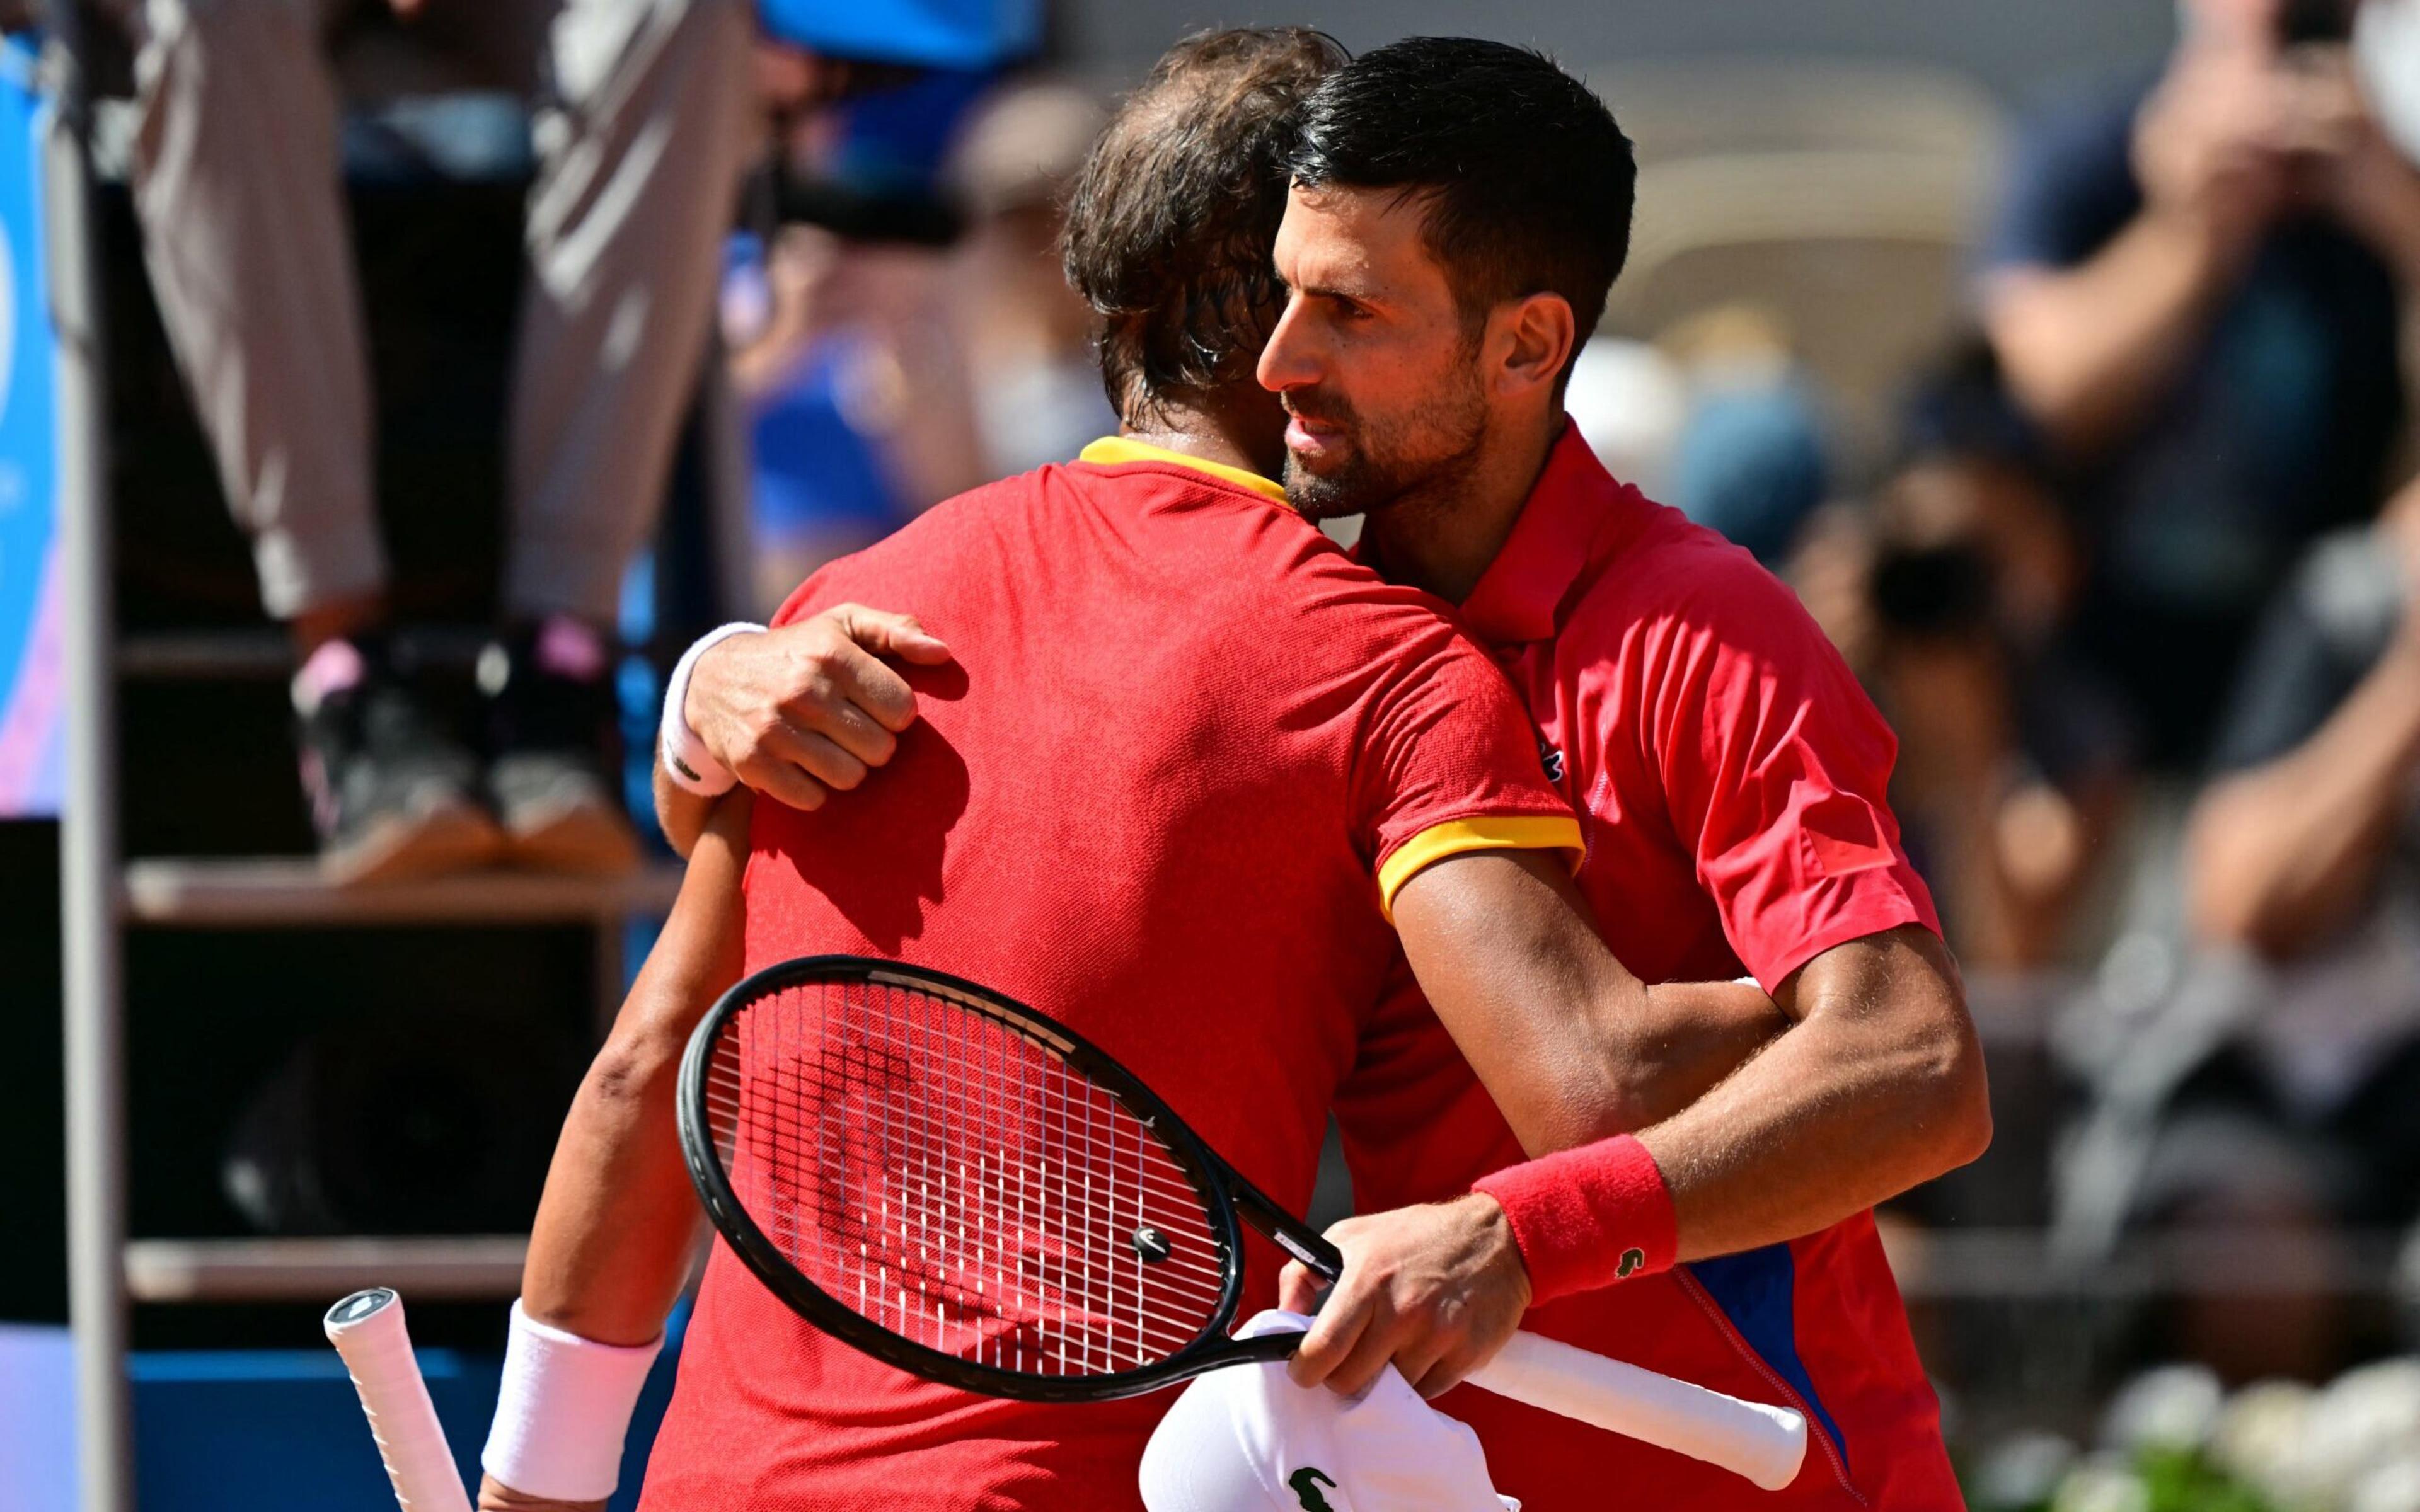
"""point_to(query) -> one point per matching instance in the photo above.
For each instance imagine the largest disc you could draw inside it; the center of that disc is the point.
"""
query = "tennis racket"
(367, 1330)
(970, 1191)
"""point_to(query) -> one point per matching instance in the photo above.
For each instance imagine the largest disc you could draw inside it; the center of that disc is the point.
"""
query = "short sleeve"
(1775, 768)
(2068, 182)
(1449, 763)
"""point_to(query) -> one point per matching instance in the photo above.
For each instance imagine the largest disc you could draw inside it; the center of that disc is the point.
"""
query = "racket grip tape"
(367, 1330)
(1763, 1445)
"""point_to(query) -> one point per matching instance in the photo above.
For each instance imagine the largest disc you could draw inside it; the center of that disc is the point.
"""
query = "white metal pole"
(88, 861)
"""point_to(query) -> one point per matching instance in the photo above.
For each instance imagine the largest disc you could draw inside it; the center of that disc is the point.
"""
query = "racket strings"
(960, 1184)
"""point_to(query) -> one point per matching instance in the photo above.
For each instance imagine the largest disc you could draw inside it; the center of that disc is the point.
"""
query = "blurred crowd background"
(2057, 355)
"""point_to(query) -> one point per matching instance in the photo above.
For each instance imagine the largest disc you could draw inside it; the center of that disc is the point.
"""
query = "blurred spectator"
(847, 351)
(1629, 400)
(1951, 598)
(644, 123)
(1748, 460)
(2304, 852)
(1036, 385)
(2193, 282)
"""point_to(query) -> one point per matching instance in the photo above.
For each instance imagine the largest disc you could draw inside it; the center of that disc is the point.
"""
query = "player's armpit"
(1572, 1046)
(617, 1226)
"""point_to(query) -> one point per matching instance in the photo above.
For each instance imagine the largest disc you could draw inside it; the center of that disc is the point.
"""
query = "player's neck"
(1248, 436)
(1442, 537)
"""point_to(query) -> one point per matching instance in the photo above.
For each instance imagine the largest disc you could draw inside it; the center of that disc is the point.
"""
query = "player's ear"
(1539, 333)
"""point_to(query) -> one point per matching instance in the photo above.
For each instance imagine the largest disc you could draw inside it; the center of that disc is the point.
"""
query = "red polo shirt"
(1730, 775)
(1187, 752)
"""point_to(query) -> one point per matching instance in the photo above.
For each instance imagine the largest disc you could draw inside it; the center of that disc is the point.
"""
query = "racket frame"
(1228, 1199)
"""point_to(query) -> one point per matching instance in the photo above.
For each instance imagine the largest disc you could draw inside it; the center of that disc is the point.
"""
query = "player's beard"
(1428, 452)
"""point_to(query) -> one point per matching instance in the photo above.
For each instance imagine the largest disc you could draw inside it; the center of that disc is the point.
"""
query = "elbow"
(1954, 1098)
(637, 1065)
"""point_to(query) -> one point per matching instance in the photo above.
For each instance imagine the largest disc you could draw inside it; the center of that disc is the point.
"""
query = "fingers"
(853, 678)
(782, 780)
(1333, 1336)
(887, 634)
(1375, 1344)
(1298, 1288)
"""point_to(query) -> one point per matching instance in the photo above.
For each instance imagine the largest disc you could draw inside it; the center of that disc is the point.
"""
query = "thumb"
(887, 634)
(1297, 1288)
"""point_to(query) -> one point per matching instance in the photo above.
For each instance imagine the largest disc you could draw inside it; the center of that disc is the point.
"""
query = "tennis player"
(1185, 764)
(1731, 776)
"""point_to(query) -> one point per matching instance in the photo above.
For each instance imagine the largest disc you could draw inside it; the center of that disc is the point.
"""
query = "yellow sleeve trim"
(1456, 835)
(1109, 451)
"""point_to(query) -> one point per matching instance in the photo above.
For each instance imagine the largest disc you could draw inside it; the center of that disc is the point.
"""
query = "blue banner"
(30, 690)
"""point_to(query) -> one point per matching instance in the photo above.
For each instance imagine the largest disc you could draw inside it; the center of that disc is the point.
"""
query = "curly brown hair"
(1169, 225)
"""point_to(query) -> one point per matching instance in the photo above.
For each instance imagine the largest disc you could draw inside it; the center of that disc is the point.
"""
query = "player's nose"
(1291, 359)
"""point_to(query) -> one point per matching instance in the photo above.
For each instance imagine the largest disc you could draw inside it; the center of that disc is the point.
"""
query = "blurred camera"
(1932, 592)
(2305, 23)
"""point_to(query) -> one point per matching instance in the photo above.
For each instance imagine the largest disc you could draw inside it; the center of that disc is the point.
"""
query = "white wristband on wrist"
(685, 760)
(563, 1411)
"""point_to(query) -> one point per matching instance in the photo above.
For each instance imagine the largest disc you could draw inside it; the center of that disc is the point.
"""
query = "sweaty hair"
(1170, 223)
(1527, 181)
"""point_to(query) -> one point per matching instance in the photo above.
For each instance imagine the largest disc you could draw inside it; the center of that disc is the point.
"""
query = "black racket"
(971, 1191)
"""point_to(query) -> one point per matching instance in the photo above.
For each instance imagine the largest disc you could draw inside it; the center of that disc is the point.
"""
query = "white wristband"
(685, 760)
(565, 1408)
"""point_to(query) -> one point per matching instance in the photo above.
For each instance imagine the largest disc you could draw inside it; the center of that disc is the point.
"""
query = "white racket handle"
(367, 1330)
(1764, 1444)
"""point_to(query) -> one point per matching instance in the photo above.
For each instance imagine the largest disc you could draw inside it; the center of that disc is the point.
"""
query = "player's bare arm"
(1878, 1087)
(797, 712)
(617, 1228)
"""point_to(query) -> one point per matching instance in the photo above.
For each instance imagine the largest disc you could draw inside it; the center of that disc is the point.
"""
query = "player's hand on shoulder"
(808, 708)
(1436, 1290)
(495, 1496)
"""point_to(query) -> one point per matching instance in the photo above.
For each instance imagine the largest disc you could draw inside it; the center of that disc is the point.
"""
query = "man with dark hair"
(1187, 764)
(1458, 212)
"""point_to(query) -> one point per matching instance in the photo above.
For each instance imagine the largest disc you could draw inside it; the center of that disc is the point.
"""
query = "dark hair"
(1959, 406)
(1170, 223)
(1529, 181)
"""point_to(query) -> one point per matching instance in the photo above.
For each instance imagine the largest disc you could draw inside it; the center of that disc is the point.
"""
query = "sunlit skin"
(1400, 407)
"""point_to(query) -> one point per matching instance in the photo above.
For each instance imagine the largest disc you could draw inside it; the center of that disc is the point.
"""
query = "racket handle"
(367, 1330)
(1764, 1444)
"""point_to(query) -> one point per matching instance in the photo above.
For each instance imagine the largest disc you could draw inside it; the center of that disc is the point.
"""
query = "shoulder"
(960, 527)
(1678, 587)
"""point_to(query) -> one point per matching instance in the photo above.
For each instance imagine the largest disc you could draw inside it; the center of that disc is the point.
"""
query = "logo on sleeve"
(1306, 1483)
(1632, 1258)
(1551, 759)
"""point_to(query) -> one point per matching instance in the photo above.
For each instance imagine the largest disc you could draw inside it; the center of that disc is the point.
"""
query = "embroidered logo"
(1306, 1483)
(1632, 1258)
(1551, 759)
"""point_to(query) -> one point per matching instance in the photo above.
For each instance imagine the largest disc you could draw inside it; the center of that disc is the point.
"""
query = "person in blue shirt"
(2193, 282)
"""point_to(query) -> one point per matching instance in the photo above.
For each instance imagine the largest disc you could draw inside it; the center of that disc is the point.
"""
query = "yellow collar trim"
(1111, 450)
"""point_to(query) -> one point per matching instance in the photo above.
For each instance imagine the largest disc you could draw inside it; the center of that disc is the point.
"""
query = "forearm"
(1878, 1087)
(1691, 1036)
(2284, 853)
(1572, 1046)
(680, 813)
(617, 1227)
(2087, 350)
(1832, 1119)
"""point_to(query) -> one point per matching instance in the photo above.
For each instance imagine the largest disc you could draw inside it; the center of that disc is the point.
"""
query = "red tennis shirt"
(1186, 753)
(1730, 775)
